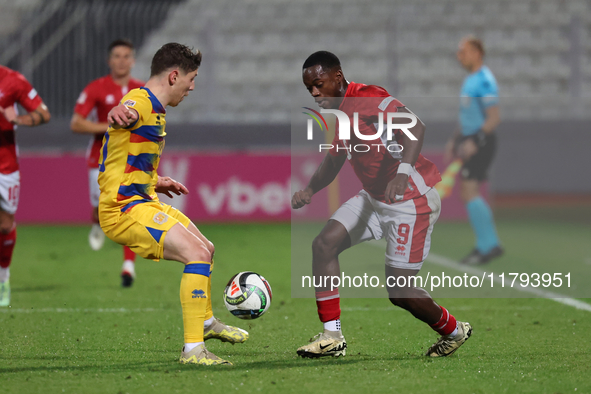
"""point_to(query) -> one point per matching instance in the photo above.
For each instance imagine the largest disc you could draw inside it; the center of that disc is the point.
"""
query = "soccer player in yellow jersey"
(130, 212)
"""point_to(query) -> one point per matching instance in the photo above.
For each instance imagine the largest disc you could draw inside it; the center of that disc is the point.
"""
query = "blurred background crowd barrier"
(253, 51)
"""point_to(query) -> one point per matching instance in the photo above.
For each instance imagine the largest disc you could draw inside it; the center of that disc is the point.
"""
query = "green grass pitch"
(73, 329)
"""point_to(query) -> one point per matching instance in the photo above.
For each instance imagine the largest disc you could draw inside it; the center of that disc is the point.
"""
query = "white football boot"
(327, 343)
(446, 346)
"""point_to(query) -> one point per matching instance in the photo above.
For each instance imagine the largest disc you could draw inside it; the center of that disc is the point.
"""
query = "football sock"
(329, 305)
(194, 299)
(4, 274)
(447, 324)
(128, 254)
(482, 222)
(454, 332)
(208, 309)
(208, 322)
(7, 242)
(333, 325)
(129, 266)
(192, 345)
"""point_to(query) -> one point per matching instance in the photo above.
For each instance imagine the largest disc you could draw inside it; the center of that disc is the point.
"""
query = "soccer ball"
(247, 295)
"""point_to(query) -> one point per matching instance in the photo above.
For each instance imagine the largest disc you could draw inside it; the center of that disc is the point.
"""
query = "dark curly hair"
(327, 60)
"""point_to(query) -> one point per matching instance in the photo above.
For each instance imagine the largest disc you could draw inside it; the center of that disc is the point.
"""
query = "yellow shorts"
(144, 227)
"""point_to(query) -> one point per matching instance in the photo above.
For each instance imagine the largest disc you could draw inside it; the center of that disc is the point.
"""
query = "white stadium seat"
(258, 47)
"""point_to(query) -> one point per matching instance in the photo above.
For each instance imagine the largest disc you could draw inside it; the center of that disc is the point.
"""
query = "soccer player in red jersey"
(14, 88)
(398, 203)
(90, 117)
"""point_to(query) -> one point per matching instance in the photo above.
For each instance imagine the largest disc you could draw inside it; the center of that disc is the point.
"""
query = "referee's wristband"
(404, 168)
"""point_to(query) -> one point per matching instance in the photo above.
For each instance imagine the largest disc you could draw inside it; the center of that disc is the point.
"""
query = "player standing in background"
(90, 117)
(130, 212)
(14, 88)
(475, 144)
(397, 203)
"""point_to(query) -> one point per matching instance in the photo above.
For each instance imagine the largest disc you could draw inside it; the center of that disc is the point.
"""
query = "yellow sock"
(208, 309)
(195, 296)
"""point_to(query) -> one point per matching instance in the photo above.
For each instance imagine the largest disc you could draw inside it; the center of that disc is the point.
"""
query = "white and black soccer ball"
(248, 295)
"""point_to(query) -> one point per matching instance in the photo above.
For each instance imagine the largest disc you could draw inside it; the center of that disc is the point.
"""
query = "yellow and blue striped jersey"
(129, 157)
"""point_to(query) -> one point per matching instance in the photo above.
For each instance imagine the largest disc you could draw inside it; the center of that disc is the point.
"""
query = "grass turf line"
(519, 345)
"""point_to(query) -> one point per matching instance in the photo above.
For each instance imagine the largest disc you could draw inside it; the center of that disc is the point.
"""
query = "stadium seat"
(412, 48)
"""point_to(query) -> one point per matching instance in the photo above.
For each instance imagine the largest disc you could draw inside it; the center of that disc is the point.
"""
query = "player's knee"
(398, 295)
(393, 300)
(6, 222)
(323, 246)
(203, 254)
(197, 252)
(398, 301)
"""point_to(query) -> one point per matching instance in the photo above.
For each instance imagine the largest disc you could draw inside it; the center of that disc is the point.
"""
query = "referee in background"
(474, 143)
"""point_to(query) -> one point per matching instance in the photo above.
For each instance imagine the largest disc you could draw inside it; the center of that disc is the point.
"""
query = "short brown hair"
(122, 42)
(175, 55)
(476, 43)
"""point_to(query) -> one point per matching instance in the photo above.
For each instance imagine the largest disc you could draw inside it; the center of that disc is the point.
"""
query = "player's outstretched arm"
(324, 175)
(166, 185)
(396, 187)
(79, 124)
(36, 117)
(121, 116)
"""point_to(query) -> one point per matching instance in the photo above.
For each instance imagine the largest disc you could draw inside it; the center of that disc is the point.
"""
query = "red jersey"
(95, 102)
(14, 88)
(374, 164)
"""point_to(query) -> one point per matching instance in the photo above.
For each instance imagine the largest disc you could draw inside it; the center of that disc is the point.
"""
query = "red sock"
(128, 254)
(446, 324)
(329, 305)
(7, 242)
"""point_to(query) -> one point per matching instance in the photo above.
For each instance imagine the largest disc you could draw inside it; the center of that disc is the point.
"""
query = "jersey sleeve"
(27, 95)
(488, 92)
(86, 101)
(374, 99)
(140, 103)
(389, 104)
(382, 102)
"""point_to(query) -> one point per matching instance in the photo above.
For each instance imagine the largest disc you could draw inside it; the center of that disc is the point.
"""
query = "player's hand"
(396, 188)
(467, 149)
(9, 114)
(166, 185)
(121, 116)
(301, 198)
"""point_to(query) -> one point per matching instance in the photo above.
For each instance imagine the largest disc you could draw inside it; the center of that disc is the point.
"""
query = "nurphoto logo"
(385, 134)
